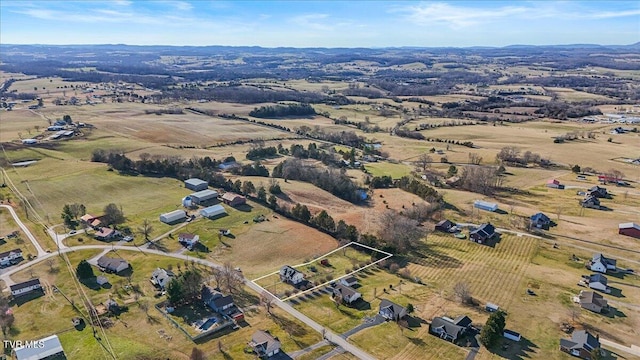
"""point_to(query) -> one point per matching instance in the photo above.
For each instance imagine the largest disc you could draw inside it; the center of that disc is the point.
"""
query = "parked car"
(128, 238)
(72, 232)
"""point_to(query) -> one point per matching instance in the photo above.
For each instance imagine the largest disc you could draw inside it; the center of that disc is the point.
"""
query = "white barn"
(204, 195)
(174, 216)
(45, 348)
(213, 211)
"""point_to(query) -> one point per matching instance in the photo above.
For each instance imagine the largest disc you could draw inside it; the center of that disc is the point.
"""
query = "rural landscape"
(218, 202)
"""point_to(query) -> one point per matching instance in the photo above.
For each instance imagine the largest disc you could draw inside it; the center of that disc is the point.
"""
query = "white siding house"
(25, 287)
(174, 216)
(291, 275)
(10, 257)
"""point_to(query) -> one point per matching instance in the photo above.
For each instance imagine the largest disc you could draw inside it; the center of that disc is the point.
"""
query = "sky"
(320, 23)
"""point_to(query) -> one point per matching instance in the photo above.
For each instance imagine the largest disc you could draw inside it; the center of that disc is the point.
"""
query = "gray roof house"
(391, 311)
(161, 277)
(592, 301)
(347, 293)
(581, 344)
(216, 300)
(598, 282)
(112, 265)
(449, 329)
(601, 264)
(264, 344)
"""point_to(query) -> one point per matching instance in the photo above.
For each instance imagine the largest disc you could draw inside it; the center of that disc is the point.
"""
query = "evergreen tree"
(493, 329)
(84, 270)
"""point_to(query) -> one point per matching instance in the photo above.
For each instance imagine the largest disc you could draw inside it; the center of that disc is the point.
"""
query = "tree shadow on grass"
(91, 283)
(613, 313)
(516, 350)
(21, 300)
(427, 255)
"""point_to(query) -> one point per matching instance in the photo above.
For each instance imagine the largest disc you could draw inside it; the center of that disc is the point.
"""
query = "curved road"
(43, 255)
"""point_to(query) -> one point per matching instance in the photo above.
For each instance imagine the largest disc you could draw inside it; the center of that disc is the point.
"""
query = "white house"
(47, 348)
(26, 287)
(291, 275)
(161, 277)
(188, 240)
(601, 264)
(173, 216)
(213, 211)
(10, 257)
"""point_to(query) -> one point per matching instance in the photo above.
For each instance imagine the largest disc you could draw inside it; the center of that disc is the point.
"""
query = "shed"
(196, 184)
(484, 205)
(173, 216)
(213, 211)
(233, 199)
(511, 335)
(101, 280)
(629, 229)
(491, 307)
(203, 196)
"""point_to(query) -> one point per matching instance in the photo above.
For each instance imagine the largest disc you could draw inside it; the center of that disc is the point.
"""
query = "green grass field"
(396, 171)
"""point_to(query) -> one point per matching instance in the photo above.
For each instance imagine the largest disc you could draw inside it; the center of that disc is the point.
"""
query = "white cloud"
(312, 21)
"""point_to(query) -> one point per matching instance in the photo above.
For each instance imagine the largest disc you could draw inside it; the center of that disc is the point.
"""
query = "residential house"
(391, 311)
(105, 234)
(599, 282)
(540, 221)
(161, 277)
(188, 240)
(291, 275)
(629, 229)
(25, 288)
(216, 300)
(483, 233)
(47, 348)
(349, 281)
(554, 184)
(592, 301)
(590, 202)
(348, 294)
(233, 199)
(450, 329)
(581, 344)
(196, 184)
(112, 265)
(264, 344)
(598, 191)
(88, 218)
(446, 226)
(601, 264)
(10, 257)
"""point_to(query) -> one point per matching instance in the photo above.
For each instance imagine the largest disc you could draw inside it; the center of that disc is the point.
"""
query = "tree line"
(274, 111)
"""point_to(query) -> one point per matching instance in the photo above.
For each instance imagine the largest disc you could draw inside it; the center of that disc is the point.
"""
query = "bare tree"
(399, 231)
(267, 300)
(462, 292)
(145, 229)
(475, 159)
(424, 162)
(197, 354)
(51, 262)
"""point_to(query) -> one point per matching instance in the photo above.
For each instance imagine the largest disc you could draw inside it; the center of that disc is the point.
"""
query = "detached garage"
(213, 211)
(629, 229)
(173, 217)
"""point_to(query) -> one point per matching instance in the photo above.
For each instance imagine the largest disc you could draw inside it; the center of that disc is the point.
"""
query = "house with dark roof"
(483, 233)
(540, 221)
(599, 282)
(581, 344)
(25, 288)
(349, 281)
(216, 300)
(598, 191)
(264, 344)
(446, 226)
(592, 301)
(601, 264)
(590, 201)
(161, 277)
(348, 294)
(10, 257)
(391, 311)
(112, 265)
(450, 329)
(291, 275)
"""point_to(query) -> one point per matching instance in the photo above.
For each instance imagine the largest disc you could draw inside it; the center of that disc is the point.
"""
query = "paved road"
(297, 354)
(33, 240)
(633, 349)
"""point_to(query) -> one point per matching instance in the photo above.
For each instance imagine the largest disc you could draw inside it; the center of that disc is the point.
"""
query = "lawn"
(7, 226)
(396, 171)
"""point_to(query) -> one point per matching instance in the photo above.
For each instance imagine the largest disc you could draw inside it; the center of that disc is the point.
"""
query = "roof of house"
(87, 217)
(604, 260)
(7, 253)
(449, 327)
(223, 301)
(590, 297)
(25, 284)
(289, 271)
(208, 293)
(462, 320)
(105, 232)
(111, 263)
(96, 222)
(629, 226)
(265, 340)
(486, 230)
(345, 290)
(161, 273)
(579, 339)
(395, 308)
(49, 346)
(350, 279)
(598, 278)
(444, 223)
(540, 217)
(597, 188)
(187, 236)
